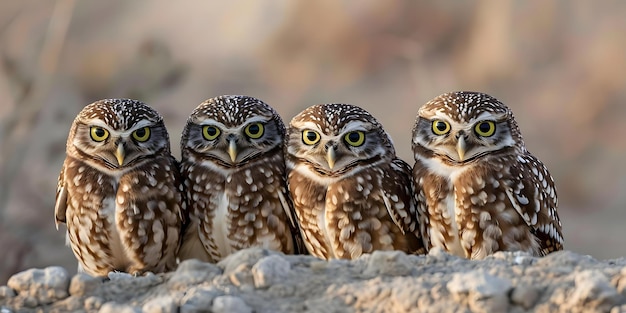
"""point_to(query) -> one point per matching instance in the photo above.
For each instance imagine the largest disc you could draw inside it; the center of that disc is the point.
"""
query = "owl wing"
(180, 184)
(533, 195)
(60, 204)
(184, 206)
(419, 197)
(398, 195)
(287, 204)
(192, 246)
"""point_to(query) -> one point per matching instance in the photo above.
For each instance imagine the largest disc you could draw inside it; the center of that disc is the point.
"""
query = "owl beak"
(461, 148)
(232, 150)
(331, 157)
(120, 154)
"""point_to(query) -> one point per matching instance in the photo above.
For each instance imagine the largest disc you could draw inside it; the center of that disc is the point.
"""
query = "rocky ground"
(256, 280)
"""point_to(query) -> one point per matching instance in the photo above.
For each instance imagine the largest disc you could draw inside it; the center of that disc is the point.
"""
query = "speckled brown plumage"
(352, 195)
(234, 173)
(119, 196)
(478, 189)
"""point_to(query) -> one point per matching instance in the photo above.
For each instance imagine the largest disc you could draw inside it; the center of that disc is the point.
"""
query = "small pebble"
(93, 303)
(164, 304)
(230, 304)
(6, 292)
(83, 283)
(270, 270)
(524, 296)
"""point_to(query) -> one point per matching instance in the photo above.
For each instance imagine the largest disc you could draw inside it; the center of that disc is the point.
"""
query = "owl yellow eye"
(210, 132)
(485, 128)
(355, 138)
(142, 134)
(310, 137)
(98, 133)
(440, 127)
(254, 130)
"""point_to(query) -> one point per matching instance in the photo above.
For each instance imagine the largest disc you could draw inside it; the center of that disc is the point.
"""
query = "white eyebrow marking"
(309, 125)
(355, 125)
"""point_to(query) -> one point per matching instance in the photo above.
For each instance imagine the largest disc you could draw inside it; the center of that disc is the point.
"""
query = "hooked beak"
(232, 150)
(120, 154)
(331, 157)
(461, 148)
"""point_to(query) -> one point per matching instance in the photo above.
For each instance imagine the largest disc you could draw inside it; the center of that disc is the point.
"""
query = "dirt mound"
(256, 280)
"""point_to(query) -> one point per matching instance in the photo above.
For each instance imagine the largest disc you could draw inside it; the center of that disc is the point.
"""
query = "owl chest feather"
(309, 192)
(341, 217)
(471, 210)
(218, 211)
(445, 219)
(132, 207)
(445, 194)
(97, 213)
(220, 225)
(243, 209)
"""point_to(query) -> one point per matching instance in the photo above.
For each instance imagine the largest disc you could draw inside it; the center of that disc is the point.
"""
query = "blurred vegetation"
(560, 66)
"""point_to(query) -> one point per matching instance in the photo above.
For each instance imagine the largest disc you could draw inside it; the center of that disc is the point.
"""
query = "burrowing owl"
(479, 190)
(119, 190)
(352, 195)
(234, 172)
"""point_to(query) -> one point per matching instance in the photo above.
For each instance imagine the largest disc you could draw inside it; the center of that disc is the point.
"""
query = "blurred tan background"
(561, 67)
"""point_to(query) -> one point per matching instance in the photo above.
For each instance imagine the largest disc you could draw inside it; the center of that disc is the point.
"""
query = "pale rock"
(6, 292)
(618, 309)
(42, 285)
(524, 296)
(391, 263)
(270, 270)
(247, 257)
(192, 272)
(564, 258)
(481, 291)
(230, 304)
(592, 288)
(436, 254)
(199, 299)
(242, 277)
(164, 304)
(619, 281)
(31, 302)
(93, 303)
(116, 276)
(515, 257)
(83, 283)
(112, 307)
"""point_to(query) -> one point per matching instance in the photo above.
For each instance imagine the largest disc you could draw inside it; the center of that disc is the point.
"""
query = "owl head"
(116, 134)
(464, 126)
(335, 138)
(232, 130)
